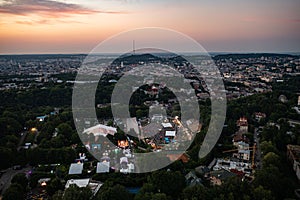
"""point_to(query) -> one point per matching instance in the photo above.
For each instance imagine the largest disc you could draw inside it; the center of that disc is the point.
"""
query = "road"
(6, 178)
(258, 151)
(24, 134)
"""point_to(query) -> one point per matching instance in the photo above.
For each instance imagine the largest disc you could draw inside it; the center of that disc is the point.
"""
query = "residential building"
(293, 154)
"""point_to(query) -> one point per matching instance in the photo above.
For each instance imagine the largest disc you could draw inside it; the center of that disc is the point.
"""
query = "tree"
(54, 185)
(20, 179)
(6, 157)
(269, 132)
(159, 196)
(14, 192)
(267, 146)
(65, 130)
(76, 193)
(271, 159)
(168, 182)
(116, 192)
(9, 126)
(195, 192)
(58, 195)
(145, 192)
(271, 179)
(260, 193)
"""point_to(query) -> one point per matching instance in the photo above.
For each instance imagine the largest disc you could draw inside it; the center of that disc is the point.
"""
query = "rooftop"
(76, 168)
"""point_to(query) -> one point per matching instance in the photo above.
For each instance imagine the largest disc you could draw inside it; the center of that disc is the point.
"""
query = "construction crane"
(233, 150)
(253, 149)
(253, 155)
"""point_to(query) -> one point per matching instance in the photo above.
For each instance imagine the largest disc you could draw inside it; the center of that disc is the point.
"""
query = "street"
(258, 151)
(6, 178)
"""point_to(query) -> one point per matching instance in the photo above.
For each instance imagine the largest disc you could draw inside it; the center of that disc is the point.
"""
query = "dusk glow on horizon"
(77, 26)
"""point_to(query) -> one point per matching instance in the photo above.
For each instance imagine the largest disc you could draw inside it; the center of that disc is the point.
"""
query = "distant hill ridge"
(252, 55)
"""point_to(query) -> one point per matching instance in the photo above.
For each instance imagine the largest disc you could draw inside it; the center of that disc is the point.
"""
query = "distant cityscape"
(243, 74)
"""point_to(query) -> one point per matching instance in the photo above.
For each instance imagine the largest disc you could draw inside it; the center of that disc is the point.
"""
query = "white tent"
(102, 167)
(101, 129)
(76, 168)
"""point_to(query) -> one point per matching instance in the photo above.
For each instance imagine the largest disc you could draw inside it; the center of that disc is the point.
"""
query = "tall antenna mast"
(133, 46)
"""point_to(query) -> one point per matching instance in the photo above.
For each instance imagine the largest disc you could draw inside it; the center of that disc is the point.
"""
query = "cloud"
(48, 8)
(46, 21)
(270, 20)
(33, 22)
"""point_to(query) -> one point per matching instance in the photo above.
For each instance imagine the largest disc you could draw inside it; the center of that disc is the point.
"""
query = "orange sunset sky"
(77, 26)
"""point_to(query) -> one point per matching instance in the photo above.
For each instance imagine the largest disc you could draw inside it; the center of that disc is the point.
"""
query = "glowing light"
(33, 129)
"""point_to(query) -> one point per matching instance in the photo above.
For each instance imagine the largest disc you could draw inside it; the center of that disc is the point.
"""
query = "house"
(202, 170)
(212, 163)
(239, 137)
(259, 116)
(192, 179)
(243, 150)
(293, 123)
(243, 154)
(242, 123)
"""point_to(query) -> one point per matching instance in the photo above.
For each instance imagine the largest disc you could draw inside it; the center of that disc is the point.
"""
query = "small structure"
(132, 125)
(167, 125)
(41, 118)
(123, 160)
(76, 168)
(157, 118)
(131, 167)
(170, 133)
(43, 181)
(282, 98)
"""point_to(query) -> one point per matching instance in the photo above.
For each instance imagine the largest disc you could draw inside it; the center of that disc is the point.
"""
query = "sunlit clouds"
(77, 26)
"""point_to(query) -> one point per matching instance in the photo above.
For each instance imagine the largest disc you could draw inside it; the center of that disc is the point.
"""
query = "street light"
(33, 129)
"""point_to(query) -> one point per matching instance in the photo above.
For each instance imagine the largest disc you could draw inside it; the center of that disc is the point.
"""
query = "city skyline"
(77, 26)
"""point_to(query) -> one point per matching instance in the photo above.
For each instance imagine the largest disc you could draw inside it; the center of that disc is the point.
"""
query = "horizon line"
(122, 53)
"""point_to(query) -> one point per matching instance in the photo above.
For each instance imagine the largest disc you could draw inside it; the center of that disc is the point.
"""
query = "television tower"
(133, 47)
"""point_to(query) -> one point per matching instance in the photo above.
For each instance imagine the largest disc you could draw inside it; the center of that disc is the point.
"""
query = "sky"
(77, 26)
